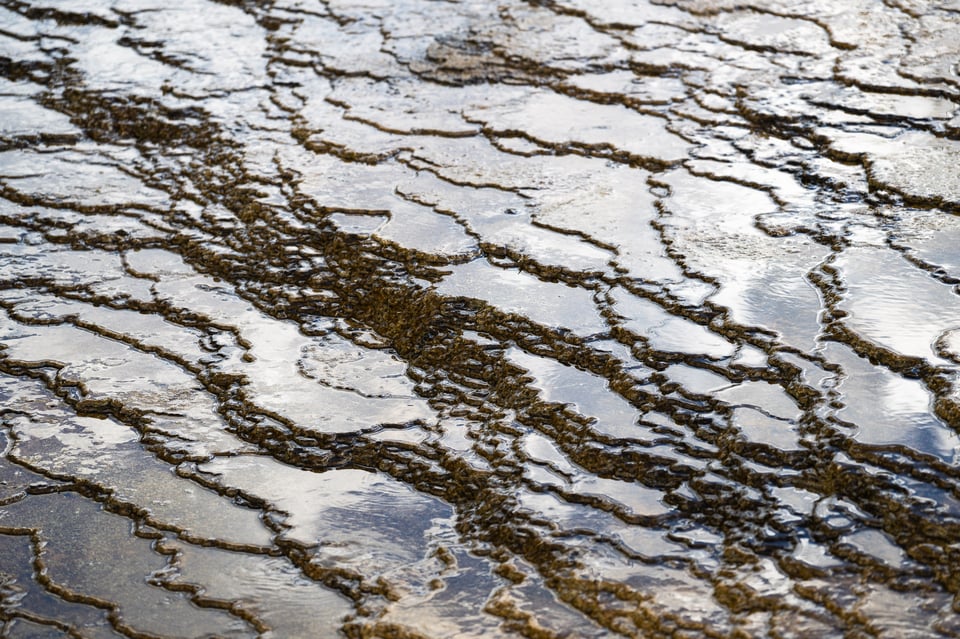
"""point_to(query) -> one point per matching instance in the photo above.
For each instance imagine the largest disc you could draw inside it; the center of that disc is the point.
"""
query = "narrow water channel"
(465, 319)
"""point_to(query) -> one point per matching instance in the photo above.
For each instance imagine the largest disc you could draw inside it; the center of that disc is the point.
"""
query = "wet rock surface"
(469, 319)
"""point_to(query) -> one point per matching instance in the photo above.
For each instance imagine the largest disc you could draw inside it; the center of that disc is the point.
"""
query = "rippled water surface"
(451, 319)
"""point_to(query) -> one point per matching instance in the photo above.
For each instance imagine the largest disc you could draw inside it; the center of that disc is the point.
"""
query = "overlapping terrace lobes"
(471, 319)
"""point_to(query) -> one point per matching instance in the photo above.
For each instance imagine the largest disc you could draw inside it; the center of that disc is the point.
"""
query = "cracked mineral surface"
(457, 319)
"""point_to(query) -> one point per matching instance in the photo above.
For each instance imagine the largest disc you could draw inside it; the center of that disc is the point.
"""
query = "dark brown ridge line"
(934, 378)
(14, 612)
(12, 615)
(162, 309)
(516, 256)
(62, 18)
(418, 163)
(120, 210)
(459, 219)
(416, 131)
(715, 310)
(761, 48)
(581, 235)
(170, 583)
(753, 8)
(903, 522)
(345, 153)
(921, 467)
(912, 199)
(606, 98)
(134, 419)
(938, 273)
(928, 124)
(571, 147)
(844, 78)
(61, 592)
(610, 28)
(769, 189)
(129, 510)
